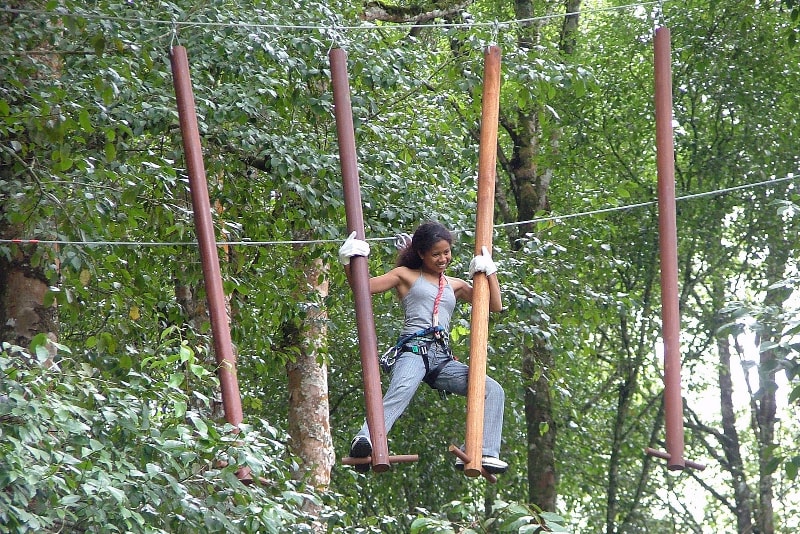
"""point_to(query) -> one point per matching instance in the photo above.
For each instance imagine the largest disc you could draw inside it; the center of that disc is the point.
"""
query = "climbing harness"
(424, 339)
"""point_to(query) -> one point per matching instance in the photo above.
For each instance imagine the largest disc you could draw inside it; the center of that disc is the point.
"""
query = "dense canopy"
(110, 406)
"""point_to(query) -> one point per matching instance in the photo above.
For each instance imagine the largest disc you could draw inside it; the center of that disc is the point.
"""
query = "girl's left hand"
(482, 264)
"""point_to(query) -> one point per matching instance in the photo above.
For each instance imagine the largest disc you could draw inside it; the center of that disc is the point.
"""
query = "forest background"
(110, 416)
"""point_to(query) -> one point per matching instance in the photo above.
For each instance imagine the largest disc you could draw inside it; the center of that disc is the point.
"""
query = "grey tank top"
(418, 306)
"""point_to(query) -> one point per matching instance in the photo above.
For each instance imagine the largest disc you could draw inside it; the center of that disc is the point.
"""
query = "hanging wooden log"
(359, 268)
(668, 249)
(220, 327)
(479, 325)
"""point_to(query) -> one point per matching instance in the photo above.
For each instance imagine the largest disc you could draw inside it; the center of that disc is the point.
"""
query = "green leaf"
(85, 121)
(792, 468)
(198, 370)
(180, 408)
(176, 379)
(794, 396)
(186, 353)
(117, 493)
(200, 425)
(68, 500)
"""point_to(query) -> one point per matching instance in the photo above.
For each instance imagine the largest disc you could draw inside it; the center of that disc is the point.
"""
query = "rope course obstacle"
(367, 339)
(483, 237)
(380, 458)
(212, 276)
(668, 248)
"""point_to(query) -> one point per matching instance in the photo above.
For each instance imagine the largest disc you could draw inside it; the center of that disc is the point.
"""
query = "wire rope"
(554, 218)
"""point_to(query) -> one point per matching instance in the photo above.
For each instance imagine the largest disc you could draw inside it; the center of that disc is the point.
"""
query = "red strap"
(438, 299)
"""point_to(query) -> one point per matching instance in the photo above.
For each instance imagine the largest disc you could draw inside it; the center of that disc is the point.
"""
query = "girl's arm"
(397, 279)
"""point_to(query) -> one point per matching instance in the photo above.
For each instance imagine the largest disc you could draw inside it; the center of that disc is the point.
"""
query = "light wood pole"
(479, 325)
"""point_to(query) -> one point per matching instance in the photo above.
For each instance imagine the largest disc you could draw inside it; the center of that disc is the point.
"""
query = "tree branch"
(417, 14)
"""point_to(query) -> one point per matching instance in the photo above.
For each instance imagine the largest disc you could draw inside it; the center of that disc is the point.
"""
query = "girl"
(428, 297)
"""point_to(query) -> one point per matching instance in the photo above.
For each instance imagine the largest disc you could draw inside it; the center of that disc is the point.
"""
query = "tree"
(28, 269)
(575, 349)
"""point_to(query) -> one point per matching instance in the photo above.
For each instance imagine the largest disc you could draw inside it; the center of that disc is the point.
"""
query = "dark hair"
(425, 236)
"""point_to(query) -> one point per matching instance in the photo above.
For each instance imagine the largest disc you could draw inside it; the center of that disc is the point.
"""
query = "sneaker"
(361, 447)
(459, 464)
(489, 463)
(494, 465)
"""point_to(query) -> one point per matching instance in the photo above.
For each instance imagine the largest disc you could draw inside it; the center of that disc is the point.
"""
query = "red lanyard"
(438, 299)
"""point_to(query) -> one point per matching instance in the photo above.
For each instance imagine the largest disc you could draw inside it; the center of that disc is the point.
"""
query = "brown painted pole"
(464, 458)
(399, 459)
(479, 325)
(359, 268)
(665, 456)
(668, 247)
(220, 328)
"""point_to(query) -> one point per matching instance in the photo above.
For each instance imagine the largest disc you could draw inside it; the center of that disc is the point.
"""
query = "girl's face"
(436, 259)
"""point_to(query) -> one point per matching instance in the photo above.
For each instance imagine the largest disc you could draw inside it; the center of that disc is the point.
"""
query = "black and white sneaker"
(489, 463)
(494, 465)
(361, 447)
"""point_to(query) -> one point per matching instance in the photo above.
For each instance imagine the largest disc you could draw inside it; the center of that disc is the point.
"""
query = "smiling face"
(436, 259)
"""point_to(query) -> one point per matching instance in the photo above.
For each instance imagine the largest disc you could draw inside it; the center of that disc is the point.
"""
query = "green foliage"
(81, 451)
(90, 151)
(793, 7)
(507, 517)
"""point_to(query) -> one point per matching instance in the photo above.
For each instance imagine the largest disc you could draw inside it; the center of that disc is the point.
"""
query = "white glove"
(401, 241)
(352, 247)
(482, 264)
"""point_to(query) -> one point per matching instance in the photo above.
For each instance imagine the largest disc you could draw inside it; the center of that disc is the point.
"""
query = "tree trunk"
(309, 424)
(23, 286)
(570, 27)
(530, 186)
(536, 364)
(23, 278)
(765, 406)
(765, 419)
(629, 376)
(731, 446)
(195, 311)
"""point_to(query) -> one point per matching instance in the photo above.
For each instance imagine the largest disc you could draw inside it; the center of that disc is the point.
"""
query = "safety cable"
(323, 28)
(556, 218)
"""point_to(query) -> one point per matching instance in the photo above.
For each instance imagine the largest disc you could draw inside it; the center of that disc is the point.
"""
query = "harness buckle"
(388, 359)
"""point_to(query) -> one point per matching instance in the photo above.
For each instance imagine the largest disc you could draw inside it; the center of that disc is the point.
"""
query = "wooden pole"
(666, 456)
(359, 268)
(464, 458)
(220, 327)
(479, 326)
(668, 247)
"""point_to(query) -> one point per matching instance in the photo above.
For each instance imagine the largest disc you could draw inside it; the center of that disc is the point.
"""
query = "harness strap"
(438, 300)
(431, 374)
